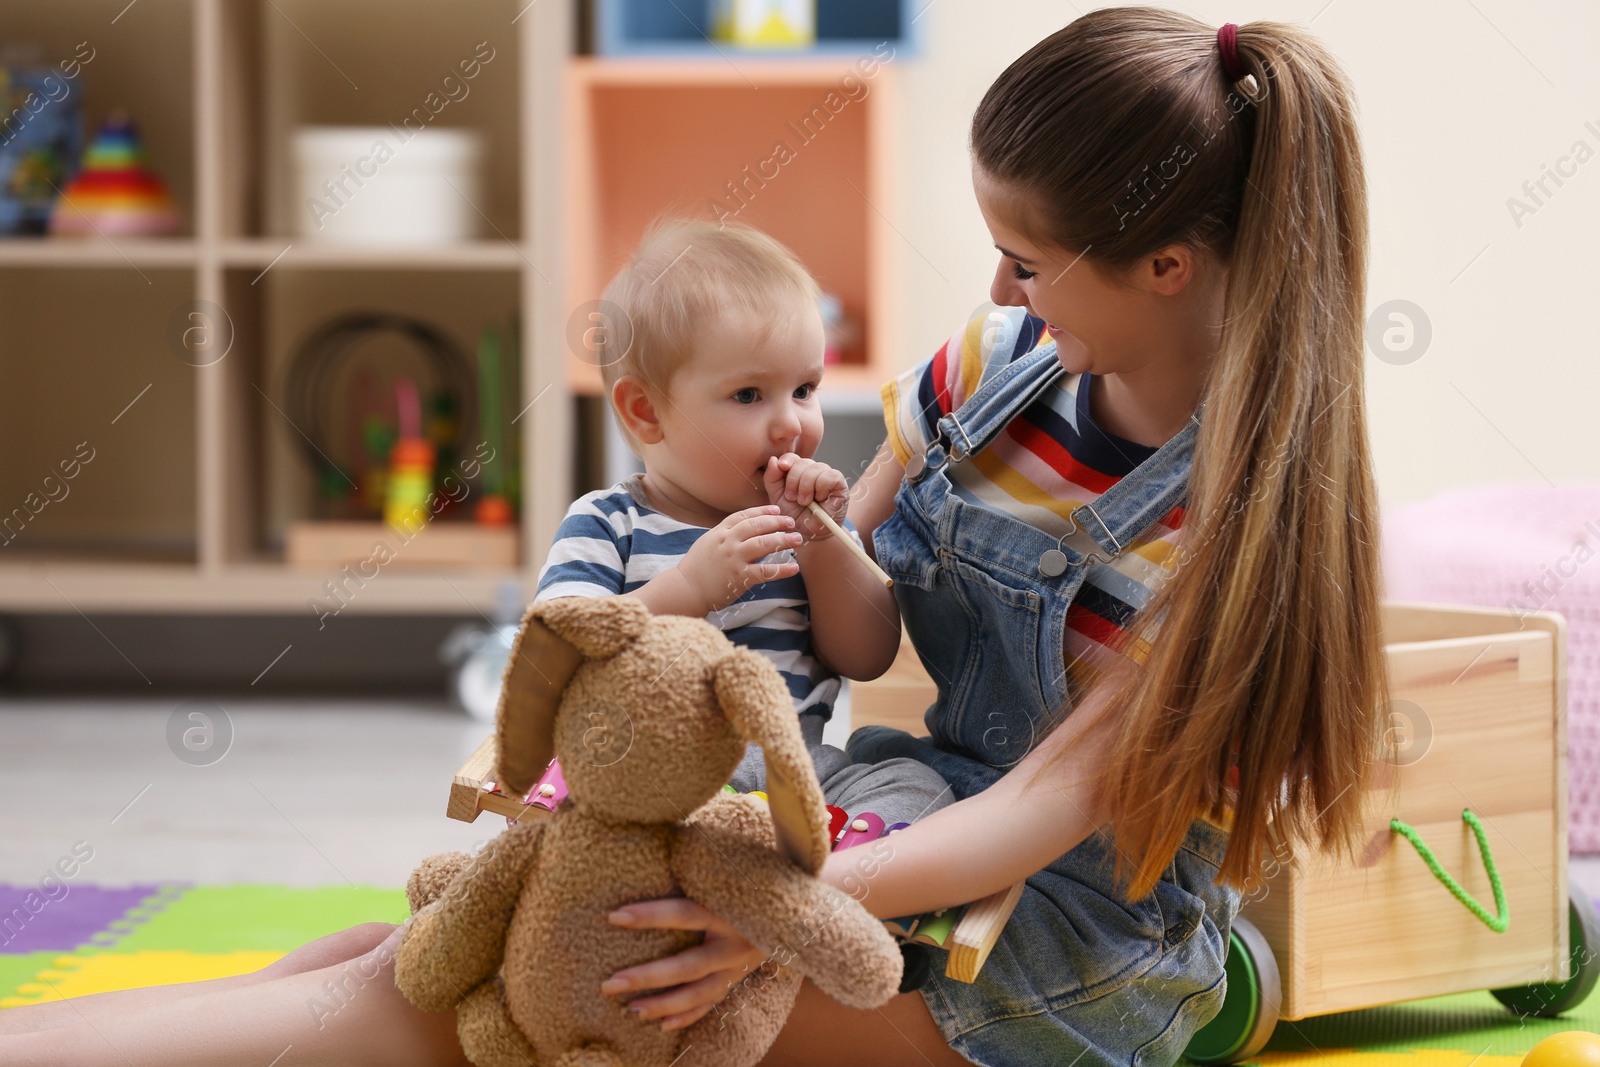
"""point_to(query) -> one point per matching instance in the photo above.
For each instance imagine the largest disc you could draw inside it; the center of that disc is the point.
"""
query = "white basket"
(387, 185)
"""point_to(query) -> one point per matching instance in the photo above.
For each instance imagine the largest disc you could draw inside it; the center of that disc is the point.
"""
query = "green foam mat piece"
(17, 970)
(258, 917)
(1465, 1022)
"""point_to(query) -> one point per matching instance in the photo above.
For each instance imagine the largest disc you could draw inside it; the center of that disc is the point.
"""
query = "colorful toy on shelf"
(493, 509)
(115, 193)
(39, 146)
(410, 480)
(765, 23)
(336, 391)
(839, 330)
(370, 437)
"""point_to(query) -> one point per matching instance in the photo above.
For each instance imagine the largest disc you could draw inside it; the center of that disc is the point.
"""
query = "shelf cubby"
(290, 304)
(710, 134)
(139, 60)
(88, 371)
(379, 63)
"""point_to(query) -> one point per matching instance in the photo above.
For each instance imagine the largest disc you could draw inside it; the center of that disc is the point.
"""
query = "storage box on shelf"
(652, 28)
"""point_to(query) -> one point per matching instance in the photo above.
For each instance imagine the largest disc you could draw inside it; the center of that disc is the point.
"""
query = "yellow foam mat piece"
(78, 976)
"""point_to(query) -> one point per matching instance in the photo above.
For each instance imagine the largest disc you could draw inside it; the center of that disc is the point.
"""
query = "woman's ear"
(636, 407)
(1168, 270)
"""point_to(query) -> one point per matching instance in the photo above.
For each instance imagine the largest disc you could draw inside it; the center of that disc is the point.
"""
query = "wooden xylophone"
(966, 932)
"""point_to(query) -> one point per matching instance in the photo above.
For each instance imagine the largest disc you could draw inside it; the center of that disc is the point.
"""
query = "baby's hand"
(726, 560)
(793, 482)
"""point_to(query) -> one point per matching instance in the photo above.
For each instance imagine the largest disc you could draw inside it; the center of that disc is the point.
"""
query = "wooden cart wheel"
(1552, 998)
(1250, 1009)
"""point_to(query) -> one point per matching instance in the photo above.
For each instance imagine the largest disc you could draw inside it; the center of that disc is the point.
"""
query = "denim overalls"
(1078, 976)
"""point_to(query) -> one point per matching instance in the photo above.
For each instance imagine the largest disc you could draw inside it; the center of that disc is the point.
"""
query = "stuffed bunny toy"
(649, 716)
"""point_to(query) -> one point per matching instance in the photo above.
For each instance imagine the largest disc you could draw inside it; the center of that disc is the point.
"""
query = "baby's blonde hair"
(684, 274)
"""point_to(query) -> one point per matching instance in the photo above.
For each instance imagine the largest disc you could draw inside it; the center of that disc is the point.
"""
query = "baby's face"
(739, 400)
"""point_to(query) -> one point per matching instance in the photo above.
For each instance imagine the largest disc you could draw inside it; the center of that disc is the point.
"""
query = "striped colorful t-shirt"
(612, 541)
(1049, 460)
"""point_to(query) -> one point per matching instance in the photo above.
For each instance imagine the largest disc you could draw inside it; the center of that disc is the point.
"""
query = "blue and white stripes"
(611, 542)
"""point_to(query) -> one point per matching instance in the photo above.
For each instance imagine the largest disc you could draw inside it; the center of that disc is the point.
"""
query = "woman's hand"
(700, 976)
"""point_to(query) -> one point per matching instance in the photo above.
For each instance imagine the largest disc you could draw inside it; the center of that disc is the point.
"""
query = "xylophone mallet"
(850, 543)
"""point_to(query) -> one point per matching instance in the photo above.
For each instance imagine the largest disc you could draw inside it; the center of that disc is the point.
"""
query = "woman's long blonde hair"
(1127, 134)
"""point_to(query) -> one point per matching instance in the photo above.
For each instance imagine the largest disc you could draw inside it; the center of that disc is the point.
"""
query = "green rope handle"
(1498, 922)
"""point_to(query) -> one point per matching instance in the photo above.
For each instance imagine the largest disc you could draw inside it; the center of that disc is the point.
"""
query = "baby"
(710, 346)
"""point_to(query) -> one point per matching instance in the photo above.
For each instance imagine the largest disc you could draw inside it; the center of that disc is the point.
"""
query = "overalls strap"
(1101, 530)
(974, 424)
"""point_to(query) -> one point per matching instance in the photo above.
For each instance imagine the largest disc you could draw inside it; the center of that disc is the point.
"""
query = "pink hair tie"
(1228, 45)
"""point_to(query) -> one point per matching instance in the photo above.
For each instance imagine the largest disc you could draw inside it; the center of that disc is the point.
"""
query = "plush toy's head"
(649, 716)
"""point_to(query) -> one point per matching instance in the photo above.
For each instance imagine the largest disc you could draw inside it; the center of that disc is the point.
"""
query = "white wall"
(1461, 102)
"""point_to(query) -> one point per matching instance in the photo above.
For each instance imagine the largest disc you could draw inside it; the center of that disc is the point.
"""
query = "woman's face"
(1098, 327)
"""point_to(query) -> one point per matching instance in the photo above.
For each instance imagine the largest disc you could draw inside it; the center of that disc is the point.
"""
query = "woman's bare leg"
(349, 1014)
(821, 1030)
(335, 948)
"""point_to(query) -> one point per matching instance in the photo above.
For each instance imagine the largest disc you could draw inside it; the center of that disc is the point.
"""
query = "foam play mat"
(93, 938)
(1455, 1031)
(90, 939)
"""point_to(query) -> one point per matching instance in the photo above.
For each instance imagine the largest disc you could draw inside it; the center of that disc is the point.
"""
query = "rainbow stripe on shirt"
(1050, 459)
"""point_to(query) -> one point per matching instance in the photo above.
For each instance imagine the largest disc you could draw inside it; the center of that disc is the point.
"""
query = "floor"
(304, 792)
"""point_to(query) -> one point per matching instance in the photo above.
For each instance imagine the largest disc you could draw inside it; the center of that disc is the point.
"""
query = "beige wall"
(1456, 113)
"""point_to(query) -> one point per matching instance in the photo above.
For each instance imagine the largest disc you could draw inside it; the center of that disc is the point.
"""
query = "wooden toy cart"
(1478, 710)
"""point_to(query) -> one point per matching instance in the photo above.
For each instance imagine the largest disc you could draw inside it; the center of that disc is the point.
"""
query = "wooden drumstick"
(850, 543)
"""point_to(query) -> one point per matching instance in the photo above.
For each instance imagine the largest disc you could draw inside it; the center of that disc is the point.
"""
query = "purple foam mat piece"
(77, 913)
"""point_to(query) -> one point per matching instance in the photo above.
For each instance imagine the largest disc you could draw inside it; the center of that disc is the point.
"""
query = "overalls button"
(914, 466)
(1053, 563)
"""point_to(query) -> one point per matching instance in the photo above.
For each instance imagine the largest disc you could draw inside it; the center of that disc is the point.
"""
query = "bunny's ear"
(537, 672)
(759, 706)
(600, 626)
